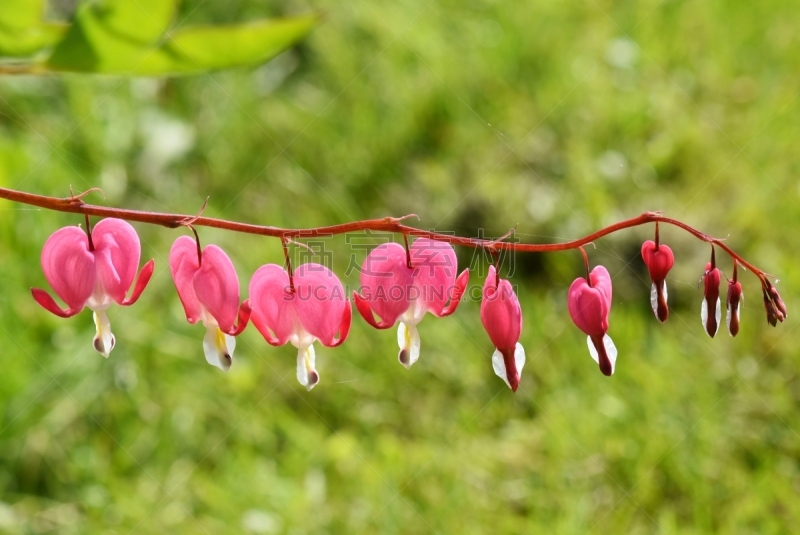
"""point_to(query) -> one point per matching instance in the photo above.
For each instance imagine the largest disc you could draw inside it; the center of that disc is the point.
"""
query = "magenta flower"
(710, 311)
(308, 307)
(589, 304)
(209, 291)
(502, 318)
(395, 286)
(659, 260)
(93, 270)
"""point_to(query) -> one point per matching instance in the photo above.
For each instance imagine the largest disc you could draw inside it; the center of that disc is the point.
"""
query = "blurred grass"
(559, 117)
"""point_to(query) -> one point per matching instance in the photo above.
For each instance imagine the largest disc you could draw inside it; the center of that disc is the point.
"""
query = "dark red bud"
(772, 313)
(733, 300)
(710, 312)
(779, 304)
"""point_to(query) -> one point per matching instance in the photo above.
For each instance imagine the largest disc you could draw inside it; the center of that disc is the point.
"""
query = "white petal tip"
(610, 349)
(307, 374)
(409, 342)
(218, 348)
(499, 366)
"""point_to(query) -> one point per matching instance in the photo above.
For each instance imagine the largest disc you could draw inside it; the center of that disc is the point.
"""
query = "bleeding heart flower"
(659, 260)
(393, 289)
(93, 270)
(502, 318)
(209, 291)
(710, 312)
(308, 307)
(589, 304)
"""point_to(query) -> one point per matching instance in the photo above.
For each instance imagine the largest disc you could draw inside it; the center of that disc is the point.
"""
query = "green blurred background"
(560, 117)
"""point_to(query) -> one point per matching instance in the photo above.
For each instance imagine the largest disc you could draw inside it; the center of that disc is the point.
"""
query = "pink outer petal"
(456, 293)
(141, 283)
(47, 302)
(117, 250)
(587, 307)
(386, 282)
(658, 262)
(320, 301)
(217, 287)
(272, 304)
(183, 265)
(500, 313)
(435, 267)
(362, 305)
(344, 327)
(69, 267)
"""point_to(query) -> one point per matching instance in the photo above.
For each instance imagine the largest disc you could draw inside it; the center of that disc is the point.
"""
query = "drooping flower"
(659, 260)
(209, 291)
(93, 270)
(395, 286)
(502, 318)
(308, 307)
(710, 312)
(733, 300)
(589, 304)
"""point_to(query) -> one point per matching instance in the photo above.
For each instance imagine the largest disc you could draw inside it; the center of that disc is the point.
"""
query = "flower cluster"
(399, 286)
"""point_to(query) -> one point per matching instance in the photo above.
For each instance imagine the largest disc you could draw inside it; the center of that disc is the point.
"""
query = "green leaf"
(94, 45)
(22, 31)
(219, 47)
(20, 14)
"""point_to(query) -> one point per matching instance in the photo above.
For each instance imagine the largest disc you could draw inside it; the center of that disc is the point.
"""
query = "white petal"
(499, 365)
(654, 299)
(611, 351)
(104, 340)
(718, 314)
(306, 372)
(408, 340)
(218, 348)
(728, 319)
(704, 312)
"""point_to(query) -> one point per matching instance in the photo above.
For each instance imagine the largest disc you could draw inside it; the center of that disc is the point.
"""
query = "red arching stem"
(75, 205)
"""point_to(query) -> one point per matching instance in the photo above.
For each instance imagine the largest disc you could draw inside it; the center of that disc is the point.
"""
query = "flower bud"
(776, 299)
(733, 300)
(710, 311)
(659, 260)
(772, 312)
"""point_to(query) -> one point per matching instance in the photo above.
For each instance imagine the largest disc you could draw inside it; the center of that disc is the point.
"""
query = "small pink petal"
(362, 305)
(588, 308)
(117, 250)
(141, 283)
(500, 313)
(435, 266)
(183, 265)
(217, 287)
(47, 302)
(658, 261)
(455, 296)
(320, 301)
(386, 282)
(344, 327)
(243, 319)
(273, 304)
(69, 266)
